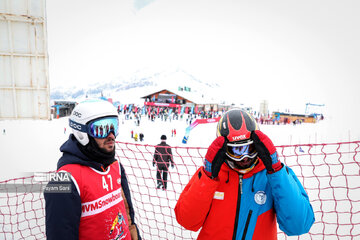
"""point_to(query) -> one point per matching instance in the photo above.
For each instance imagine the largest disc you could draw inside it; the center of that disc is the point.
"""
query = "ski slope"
(29, 146)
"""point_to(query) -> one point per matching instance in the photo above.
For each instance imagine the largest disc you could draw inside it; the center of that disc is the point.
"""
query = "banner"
(161, 104)
(197, 122)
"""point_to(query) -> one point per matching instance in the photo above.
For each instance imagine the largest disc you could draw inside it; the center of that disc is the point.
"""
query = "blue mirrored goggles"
(101, 128)
(98, 128)
(239, 151)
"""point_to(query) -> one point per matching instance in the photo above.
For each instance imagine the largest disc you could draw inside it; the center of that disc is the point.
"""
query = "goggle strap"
(240, 144)
(77, 126)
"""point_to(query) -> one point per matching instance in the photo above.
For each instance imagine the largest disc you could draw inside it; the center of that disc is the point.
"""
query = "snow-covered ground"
(29, 146)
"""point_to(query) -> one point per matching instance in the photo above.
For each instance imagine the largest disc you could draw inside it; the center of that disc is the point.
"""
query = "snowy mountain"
(131, 89)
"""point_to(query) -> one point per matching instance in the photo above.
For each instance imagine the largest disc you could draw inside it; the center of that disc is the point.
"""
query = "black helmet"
(163, 137)
(236, 126)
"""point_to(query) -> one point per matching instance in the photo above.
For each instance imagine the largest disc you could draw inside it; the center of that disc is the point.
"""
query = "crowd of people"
(165, 113)
(171, 114)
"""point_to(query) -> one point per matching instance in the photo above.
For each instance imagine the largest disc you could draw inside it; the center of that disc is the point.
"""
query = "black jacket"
(63, 210)
(163, 155)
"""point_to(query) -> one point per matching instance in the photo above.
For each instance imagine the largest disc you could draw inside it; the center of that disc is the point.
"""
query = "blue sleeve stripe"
(274, 158)
(207, 165)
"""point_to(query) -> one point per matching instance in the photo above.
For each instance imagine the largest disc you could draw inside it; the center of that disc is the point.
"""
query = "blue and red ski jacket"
(245, 206)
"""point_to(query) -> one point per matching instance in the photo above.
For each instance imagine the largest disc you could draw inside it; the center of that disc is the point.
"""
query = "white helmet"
(86, 111)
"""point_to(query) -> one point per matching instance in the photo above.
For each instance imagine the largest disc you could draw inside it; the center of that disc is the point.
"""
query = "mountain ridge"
(137, 85)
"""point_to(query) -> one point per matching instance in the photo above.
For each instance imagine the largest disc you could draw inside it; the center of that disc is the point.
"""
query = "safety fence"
(330, 173)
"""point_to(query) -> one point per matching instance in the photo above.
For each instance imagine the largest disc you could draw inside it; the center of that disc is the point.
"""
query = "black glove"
(215, 156)
(153, 164)
(266, 151)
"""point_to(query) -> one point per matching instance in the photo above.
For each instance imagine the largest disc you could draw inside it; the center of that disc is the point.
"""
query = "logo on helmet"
(238, 138)
(77, 114)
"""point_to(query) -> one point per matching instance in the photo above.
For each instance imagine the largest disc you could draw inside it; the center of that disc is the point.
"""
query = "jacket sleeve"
(156, 155)
(294, 212)
(126, 190)
(62, 214)
(170, 156)
(194, 202)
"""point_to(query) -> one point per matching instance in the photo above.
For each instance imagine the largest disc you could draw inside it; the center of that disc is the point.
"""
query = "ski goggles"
(98, 128)
(239, 151)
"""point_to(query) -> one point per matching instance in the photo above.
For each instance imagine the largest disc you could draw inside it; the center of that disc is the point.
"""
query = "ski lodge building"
(183, 97)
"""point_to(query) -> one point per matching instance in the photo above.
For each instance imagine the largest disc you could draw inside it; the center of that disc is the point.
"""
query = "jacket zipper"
(247, 225)
(238, 206)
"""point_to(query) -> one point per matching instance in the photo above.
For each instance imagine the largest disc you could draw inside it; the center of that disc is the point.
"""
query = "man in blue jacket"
(243, 189)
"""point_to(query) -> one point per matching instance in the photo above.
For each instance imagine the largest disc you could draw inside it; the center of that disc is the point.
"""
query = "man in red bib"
(98, 205)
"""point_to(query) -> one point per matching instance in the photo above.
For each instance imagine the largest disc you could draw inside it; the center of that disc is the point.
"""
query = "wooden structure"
(167, 98)
(292, 117)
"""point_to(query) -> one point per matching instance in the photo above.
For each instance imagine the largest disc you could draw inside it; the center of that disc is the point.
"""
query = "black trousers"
(161, 175)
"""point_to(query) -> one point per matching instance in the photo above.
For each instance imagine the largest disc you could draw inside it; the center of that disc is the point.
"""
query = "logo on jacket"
(260, 197)
(118, 226)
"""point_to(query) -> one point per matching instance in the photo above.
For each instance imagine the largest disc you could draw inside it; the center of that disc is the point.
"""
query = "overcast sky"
(286, 52)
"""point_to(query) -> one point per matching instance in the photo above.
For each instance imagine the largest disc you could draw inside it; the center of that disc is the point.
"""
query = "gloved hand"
(215, 157)
(266, 151)
(153, 164)
(172, 165)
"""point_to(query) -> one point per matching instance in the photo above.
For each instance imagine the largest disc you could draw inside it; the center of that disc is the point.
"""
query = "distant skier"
(162, 157)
